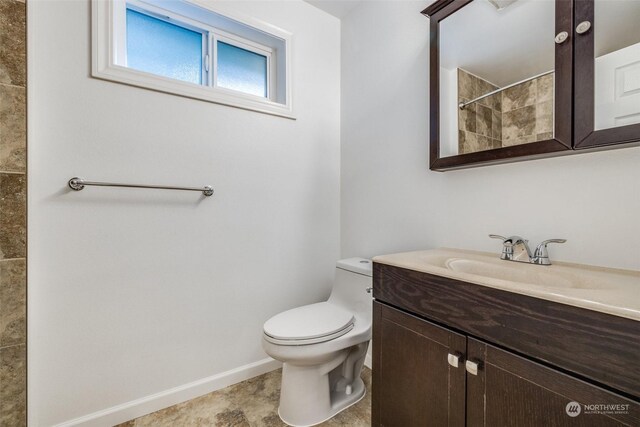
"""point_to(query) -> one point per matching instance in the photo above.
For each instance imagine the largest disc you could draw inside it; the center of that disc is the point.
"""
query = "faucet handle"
(541, 255)
(507, 246)
(553, 241)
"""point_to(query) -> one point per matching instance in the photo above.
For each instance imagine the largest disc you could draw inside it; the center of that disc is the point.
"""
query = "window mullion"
(209, 59)
(268, 76)
(205, 59)
(214, 59)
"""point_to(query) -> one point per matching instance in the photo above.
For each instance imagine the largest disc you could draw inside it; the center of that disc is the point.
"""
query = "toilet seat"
(309, 324)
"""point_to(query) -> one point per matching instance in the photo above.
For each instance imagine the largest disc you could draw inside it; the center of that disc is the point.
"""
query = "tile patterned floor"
(251, 403)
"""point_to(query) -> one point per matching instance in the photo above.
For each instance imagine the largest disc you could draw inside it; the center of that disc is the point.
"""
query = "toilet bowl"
(322, 348)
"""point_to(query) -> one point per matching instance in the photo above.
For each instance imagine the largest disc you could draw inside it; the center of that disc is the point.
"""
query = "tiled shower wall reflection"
(12, 213)
(480, 123)
(518, 115)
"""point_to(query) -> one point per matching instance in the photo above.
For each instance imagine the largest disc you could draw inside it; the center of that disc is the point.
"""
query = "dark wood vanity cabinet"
(419, 323)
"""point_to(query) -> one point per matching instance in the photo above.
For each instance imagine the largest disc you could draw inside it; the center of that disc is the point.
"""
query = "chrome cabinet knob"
(561, 37)
(454, 359)
(369, 290)
(583, 27)
(472, 367)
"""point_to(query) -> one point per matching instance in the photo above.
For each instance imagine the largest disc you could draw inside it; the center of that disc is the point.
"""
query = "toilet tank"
(353, 277)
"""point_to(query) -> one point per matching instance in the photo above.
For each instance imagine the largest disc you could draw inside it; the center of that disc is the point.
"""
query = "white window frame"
(109, 55)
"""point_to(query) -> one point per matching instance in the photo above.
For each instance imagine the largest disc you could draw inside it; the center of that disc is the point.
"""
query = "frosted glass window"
(162, 48)
(242, 70)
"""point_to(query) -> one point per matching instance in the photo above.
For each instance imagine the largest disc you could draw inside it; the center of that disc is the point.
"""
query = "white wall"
(391, 202)
(133, 292)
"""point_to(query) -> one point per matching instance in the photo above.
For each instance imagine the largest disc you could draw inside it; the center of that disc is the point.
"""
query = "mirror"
(496, 75)
(617, 63)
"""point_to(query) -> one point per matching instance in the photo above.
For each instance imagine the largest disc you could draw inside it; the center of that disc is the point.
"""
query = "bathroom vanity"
(464, 338)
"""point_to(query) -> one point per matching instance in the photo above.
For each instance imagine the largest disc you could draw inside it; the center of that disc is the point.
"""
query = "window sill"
(129, 76)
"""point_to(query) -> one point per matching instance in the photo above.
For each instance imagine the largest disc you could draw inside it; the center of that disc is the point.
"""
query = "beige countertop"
(606, 290)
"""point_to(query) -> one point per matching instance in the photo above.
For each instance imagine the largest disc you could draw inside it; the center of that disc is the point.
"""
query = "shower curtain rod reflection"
(486, 95)
(77, 184)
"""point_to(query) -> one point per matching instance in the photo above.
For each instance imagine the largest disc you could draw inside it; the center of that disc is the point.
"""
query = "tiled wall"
(480, 123)
(12, 213)
(527, 112)
(518, 115)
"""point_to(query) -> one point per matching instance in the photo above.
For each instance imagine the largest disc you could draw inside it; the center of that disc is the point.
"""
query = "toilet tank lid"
(356, 265)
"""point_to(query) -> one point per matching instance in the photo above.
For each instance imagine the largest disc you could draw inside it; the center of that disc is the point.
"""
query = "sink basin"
(534, 275)
(607, 290)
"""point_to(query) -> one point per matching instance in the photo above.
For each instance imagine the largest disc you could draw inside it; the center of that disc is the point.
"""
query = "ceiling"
(337, 8)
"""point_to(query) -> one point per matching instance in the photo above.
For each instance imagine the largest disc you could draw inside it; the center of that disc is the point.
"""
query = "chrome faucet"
(516, 248)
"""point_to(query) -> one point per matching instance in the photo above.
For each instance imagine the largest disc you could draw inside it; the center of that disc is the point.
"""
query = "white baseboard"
(146, 405)
(368, 360)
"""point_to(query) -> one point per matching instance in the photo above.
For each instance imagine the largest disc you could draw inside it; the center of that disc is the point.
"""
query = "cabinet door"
(500, 81)
(509, 390)
(413, 382)
(607, 72)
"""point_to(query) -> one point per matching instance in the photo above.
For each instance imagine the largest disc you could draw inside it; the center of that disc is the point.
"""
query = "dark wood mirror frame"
(562, 141)
(585, 135)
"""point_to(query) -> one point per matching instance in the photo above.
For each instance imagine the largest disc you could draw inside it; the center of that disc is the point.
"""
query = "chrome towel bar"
(78, 184)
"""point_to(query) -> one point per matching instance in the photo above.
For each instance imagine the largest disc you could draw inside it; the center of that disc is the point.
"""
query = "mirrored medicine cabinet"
(520, 79)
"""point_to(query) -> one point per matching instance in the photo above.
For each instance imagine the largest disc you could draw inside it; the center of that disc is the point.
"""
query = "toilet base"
(311, 395)
(342, 402)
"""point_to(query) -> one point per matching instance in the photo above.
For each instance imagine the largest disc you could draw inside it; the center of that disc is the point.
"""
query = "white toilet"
(323, 347)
